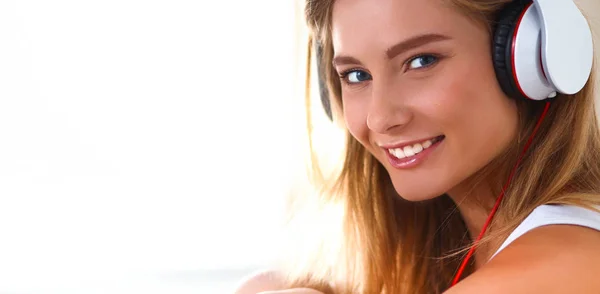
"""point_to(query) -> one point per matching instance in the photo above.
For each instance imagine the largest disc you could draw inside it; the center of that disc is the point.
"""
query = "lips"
(413, 154)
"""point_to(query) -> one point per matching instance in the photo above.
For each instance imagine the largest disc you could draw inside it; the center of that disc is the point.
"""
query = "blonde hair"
(370, 240)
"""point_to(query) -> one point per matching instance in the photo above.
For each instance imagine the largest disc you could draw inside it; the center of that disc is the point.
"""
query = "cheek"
(440, 101)
(474, 113)
(466, 96)
(485, 110)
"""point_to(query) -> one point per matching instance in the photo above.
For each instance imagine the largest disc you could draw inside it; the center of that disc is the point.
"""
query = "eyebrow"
(411, 43)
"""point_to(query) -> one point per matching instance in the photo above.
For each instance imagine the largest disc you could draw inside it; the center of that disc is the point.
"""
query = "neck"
(475, 205)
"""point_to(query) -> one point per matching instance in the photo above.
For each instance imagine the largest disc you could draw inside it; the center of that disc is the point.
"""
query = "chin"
(416, 193)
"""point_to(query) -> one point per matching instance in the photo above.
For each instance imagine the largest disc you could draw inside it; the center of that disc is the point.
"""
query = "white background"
(145, 146)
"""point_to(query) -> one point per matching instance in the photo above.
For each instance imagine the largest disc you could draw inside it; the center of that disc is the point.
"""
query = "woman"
(442, 150)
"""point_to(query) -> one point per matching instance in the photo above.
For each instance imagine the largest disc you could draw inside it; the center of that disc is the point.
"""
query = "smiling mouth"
(414, 149)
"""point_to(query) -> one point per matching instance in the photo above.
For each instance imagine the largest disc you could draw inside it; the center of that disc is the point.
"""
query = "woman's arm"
(259, 282)
(268, 282)
(551, 259)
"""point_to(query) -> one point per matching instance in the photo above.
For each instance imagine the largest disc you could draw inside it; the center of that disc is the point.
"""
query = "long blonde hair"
(389, 245)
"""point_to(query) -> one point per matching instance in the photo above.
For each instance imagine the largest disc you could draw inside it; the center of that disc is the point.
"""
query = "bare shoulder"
(266, 280)
(549, 259)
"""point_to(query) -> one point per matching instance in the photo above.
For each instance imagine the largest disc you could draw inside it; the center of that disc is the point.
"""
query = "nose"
(387, 111)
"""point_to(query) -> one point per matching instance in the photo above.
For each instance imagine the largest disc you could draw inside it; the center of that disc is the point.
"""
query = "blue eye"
(422, 61)
(355, 76)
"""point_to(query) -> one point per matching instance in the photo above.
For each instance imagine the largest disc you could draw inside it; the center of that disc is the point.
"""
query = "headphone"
(540, 48)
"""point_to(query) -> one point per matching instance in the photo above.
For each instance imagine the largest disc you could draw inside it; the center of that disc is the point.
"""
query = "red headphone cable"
(499, 199)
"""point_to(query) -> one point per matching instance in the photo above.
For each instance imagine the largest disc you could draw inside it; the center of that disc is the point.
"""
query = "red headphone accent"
(512, 55)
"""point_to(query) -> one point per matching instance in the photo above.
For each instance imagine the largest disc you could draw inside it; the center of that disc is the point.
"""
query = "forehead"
(381, 23)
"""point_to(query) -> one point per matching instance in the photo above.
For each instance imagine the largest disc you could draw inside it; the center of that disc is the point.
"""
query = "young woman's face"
(419, 91)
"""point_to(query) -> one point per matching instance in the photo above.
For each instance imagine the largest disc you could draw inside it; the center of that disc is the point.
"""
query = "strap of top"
(554, 215)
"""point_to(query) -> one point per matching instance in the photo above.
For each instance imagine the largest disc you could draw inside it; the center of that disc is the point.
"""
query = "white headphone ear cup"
(541, 48)
(567, 46)
(526, 57)
(516, 58)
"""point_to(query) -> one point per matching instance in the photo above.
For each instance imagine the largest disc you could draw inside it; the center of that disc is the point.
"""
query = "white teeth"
(427, 144)
(417, 148)
(409, 151)
(397, 152)
(392, 152)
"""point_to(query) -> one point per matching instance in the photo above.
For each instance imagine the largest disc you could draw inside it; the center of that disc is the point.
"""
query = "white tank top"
(554, 215)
